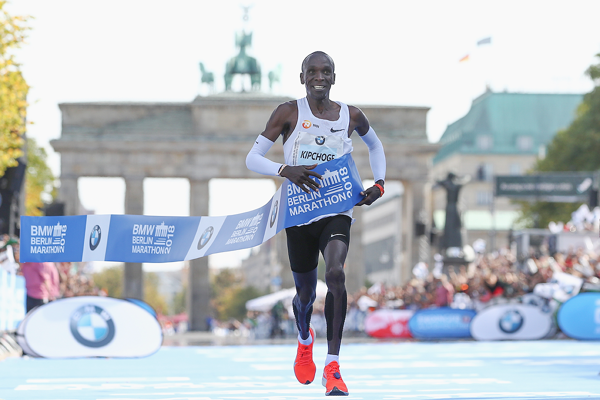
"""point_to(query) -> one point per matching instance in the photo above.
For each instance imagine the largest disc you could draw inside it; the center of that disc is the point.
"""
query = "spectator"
(41, 282)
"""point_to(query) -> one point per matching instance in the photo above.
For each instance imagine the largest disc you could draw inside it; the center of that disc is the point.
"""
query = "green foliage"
(179, 303)
(233, 302)
(110, 280)
(229, 296)
(575, 148)
(40, 179)
(539, 214)
(13, 89)
(151, 294)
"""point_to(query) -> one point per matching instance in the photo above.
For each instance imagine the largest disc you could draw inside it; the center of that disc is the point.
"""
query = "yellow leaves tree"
(13, 89)
(40, 180)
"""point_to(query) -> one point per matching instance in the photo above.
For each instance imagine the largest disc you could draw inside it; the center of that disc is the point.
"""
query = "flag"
(487, 40)
(465, 58)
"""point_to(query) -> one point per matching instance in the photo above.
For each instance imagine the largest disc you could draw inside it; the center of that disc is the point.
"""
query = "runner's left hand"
(371, 194)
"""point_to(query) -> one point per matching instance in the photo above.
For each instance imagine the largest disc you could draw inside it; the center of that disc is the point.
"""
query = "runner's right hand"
(300, 175)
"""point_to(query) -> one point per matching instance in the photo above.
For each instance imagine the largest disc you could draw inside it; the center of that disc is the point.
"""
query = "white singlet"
(315, 141)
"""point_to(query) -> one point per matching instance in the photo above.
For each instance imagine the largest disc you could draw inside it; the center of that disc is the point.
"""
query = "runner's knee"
(306, 296)
(335, 279)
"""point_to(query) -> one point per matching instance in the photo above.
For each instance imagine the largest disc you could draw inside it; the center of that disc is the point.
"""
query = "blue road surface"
(559, 369)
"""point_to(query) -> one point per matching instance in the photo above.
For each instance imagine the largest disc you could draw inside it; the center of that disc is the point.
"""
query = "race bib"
(311, 149)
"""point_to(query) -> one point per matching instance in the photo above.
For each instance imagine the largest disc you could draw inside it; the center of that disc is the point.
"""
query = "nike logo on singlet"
(337, 234)
(336, 130)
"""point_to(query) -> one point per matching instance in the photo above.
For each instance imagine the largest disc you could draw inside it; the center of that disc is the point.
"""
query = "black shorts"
(304, 242)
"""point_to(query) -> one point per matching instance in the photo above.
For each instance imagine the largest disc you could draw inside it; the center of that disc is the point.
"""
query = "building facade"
(502, 134)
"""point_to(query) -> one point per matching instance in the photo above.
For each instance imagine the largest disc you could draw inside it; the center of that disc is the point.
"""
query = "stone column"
(425, 245)
(133, 276)
(399, 255)
(282, 258)
(69, 194)
(198, 300)
(408, 231)
(287, 278)
(355, 261)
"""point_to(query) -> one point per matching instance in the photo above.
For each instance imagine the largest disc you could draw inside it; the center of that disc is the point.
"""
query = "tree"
(152, 295)
(13, 89)
(179, 305)
(229, 296)
(111, 280)
(233, 303)
(575, 148)
(40, 179)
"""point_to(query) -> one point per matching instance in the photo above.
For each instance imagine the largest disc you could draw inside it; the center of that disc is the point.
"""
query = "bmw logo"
(208, 232)
(95, 237)
(511, 321)
(274, 213)
(91, 326)
(320, 140)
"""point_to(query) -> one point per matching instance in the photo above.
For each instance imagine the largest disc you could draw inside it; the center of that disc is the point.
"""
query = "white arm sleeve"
(376, 154)
(256, 161)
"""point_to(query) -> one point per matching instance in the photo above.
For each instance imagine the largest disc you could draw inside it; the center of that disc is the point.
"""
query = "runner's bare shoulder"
(282, 121)
(358, 121)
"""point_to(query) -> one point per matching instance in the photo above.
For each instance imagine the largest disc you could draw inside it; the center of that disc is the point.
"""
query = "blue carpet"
(450, 370)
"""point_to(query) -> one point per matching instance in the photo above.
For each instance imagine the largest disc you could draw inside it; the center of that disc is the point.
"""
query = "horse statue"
(207, 77)
(274, 76)
(243, 64)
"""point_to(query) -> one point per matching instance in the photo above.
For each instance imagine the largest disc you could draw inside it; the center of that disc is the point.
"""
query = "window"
(515, 169)
(485, 172)
(484, 142)
(484, 198)
(524, 143)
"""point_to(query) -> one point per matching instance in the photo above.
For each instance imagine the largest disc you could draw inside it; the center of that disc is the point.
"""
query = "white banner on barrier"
(511, 322)
(91, 326)
(12, 292)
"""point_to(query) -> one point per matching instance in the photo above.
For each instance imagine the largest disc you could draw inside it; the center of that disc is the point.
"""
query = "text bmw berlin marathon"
(48, 239)
(338, 187)
(152, 239)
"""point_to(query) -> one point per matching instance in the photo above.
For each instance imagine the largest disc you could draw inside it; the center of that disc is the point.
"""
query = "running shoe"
(304, 367)
(332, 380)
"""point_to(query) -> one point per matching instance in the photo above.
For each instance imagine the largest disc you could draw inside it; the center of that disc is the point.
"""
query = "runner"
(315, 119)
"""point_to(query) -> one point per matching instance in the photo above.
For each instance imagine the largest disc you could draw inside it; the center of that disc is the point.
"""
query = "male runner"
(302, 122)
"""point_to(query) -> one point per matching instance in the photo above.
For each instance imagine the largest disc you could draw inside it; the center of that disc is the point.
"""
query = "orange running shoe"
(304, 366)
(332, 380)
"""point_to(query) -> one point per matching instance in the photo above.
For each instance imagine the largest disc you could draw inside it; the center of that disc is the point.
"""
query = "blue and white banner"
(511, 322)
(433, 323)
(579, 318)
(140, 238)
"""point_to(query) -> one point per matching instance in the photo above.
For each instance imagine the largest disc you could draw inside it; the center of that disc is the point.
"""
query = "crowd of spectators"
(490, 279)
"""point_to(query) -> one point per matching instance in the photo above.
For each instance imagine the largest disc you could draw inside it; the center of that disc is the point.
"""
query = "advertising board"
(388, 323)
(90, 326)
(579, 317)
(441, 323)
(511, 322)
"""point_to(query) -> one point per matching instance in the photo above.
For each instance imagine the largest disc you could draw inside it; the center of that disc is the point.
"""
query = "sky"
(386, 52)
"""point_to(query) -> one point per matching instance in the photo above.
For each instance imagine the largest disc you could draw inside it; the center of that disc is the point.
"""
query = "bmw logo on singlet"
(320, 140)
(274, 213)
(92, 326)
(204, 239)
(511, 321)
(95, 237)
